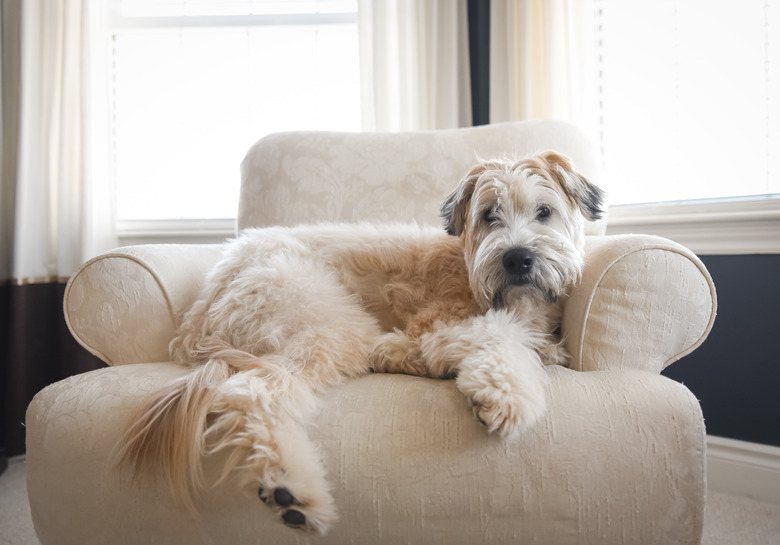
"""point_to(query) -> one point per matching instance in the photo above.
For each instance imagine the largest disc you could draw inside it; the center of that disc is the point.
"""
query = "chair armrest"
(124, 306)
(644, 302)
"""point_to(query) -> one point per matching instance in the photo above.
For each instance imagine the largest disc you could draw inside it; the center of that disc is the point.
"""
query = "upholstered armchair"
(618, 459)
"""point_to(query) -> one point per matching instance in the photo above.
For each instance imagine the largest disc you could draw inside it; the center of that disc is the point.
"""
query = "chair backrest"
(309, 177)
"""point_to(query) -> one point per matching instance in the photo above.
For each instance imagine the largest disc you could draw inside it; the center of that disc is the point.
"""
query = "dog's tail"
(167, 436)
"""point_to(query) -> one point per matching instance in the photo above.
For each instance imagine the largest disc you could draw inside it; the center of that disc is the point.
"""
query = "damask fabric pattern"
(125, 305)
(400, 177)
(409, 464)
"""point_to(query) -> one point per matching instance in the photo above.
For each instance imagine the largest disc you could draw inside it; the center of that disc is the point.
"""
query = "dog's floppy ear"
(589, 197)
(454, 208)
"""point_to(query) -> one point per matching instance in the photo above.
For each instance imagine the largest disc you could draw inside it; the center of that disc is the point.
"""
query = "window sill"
(722, 227)
(746, 226)
(206, 231)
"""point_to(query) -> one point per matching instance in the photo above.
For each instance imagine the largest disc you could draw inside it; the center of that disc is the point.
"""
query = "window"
(194, 83)
(690, 98)
(689, 104)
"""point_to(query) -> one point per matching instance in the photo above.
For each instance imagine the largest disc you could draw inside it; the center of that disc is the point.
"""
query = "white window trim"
(189, 231)
(717, 227)
(119, 23)
(730, 227)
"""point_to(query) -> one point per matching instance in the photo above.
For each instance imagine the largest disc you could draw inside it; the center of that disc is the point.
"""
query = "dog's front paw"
(506, 412)
(506, 399)
(396, 352)
(554, 354)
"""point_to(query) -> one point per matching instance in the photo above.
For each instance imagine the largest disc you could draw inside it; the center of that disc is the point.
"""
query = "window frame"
(723, 226)
(742, 225)
(120, 23)
(718, 227)
(199, 231)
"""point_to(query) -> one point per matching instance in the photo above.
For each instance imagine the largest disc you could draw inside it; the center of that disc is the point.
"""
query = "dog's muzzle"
(518, 264)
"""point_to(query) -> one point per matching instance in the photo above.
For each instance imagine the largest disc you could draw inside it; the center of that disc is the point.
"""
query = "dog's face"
(522, 225)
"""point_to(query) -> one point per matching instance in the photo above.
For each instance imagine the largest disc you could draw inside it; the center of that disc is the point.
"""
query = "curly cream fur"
(290, 312)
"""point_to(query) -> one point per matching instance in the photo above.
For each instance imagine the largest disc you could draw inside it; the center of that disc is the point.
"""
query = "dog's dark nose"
(518, 262)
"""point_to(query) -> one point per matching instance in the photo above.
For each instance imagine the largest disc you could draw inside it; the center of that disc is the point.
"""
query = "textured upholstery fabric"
(409, 464)
(125, 305)
(643, 303)
(314, 176)
(618, 459)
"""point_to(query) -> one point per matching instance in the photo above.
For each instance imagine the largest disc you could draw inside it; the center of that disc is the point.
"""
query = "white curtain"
(53, 197)
(56, 208)
(542, 61)
(414, 64)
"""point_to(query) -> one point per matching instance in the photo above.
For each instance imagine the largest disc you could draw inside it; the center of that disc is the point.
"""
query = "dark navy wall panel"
(736, 372)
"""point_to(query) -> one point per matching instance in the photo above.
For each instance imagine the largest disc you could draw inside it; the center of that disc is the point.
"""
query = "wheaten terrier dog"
(290, 312)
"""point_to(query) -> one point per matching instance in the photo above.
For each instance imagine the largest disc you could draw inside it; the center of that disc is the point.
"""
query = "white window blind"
(689, 98)
(195, 83)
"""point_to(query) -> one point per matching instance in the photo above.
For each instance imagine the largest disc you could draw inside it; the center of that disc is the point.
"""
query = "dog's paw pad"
(283, 497)
(262, 496)
(304, 510)
(279, 496)
(294, 519)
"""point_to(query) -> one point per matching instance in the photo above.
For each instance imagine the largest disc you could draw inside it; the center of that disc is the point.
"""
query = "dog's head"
(522, 227)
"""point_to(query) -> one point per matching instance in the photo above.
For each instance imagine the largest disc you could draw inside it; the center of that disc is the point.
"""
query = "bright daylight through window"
(689, 95)
(196, 82)
(690, 98)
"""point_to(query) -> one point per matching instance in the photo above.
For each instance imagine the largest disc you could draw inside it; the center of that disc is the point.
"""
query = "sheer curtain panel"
(55, 195)
(542, 61)
(414, 64)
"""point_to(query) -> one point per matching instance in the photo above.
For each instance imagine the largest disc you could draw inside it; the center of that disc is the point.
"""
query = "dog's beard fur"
(290, 312)
(552, 273)
(536, 206)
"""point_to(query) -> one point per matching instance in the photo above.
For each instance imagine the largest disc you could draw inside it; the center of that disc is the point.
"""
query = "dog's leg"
(259, 416)
(287, 329)
(254, 424)
(555, 354)
(498, 368)
(396, 352)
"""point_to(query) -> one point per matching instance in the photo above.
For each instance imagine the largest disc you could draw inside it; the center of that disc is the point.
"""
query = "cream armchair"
(618, 459)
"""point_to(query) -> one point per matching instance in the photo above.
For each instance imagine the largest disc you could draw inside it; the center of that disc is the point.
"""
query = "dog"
(290, 312)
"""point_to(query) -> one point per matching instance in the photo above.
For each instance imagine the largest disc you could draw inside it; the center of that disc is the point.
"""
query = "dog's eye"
(543, 212)
(490, 217)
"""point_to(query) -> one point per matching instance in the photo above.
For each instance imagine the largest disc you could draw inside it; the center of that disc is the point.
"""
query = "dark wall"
(36, 349)
(735, 374)
(479, 57)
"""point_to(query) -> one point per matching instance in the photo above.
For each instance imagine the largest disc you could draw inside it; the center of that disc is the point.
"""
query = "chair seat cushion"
(618, 459)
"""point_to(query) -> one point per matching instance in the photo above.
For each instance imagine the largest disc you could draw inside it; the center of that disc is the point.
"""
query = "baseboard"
(744, 469)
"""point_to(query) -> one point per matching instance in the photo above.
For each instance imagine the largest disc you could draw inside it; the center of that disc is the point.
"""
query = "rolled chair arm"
(124, 306)
(644, 302)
